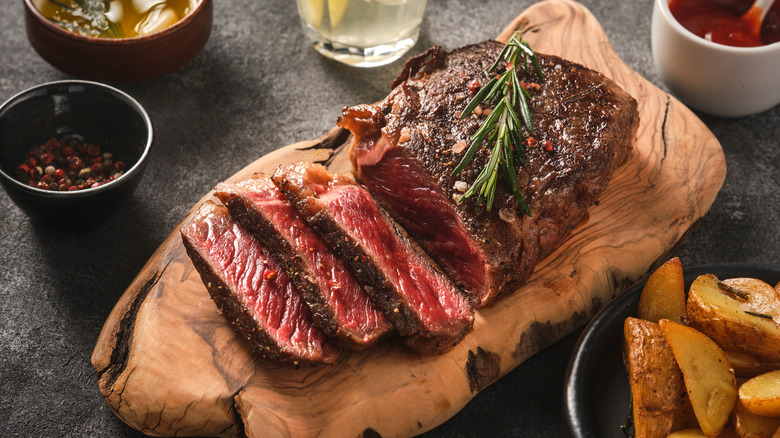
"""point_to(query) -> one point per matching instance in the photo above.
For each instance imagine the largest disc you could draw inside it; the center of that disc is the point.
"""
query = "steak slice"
(406, 147)
(251, 291)
(424, 306)
(339, 305)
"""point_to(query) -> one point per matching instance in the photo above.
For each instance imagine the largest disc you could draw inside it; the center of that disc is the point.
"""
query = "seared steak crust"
(406, 147)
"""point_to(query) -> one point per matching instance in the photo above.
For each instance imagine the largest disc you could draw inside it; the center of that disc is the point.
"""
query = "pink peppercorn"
(76, 165)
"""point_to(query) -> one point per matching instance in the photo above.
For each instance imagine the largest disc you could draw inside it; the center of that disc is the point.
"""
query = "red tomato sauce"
(722, 21)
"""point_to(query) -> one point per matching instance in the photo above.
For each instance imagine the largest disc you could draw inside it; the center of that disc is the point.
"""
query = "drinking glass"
(362, 33)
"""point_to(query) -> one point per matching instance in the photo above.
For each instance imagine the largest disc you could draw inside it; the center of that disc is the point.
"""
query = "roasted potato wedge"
(663, 296)
(731, 313)
(750, 425)
(684, 417)
(695, 432)
(707, 374)
(761, 297)
(761, 394)
(748, 365)
(656, 381)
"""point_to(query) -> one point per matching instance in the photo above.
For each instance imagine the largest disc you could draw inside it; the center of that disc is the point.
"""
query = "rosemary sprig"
(501, 130)
(760, 315)
(732, 290)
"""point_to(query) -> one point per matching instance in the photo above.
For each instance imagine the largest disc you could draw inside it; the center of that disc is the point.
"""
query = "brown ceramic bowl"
(119, 59)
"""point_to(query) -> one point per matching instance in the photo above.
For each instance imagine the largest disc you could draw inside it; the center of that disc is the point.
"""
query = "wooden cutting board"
(168, 364)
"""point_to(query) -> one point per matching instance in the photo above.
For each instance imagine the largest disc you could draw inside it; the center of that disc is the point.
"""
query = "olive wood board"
(168, 364)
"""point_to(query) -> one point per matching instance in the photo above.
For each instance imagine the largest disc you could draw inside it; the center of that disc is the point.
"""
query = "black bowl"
(102, 115)
(596, 390)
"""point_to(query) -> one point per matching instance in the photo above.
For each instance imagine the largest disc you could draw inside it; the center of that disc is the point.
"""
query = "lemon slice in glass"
(336, 9)
(313, 10)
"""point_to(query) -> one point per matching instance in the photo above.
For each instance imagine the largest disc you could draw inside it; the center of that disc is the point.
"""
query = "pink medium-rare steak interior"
(338, 299)
(406, 188)
(429, 294)
(256, 285)
(425, 308)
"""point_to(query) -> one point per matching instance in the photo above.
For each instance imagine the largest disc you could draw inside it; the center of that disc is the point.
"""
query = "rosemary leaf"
(492, 192)
(476, 143)
(500, 132)
(534, 60)
(478, 98)
(516, 122)
(502, 129)
(520, 152)
(477, 186)
(489, 187)
(732, 290)
(516, 85)
(511, 177)
(509, 169)
(525, 112)
(499, 58)
(760, 315)
(499, 84)
(525, 63)
(489, 123)
(470, 152)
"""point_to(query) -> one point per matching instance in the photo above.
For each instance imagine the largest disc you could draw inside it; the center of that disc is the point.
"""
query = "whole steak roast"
(406, 147)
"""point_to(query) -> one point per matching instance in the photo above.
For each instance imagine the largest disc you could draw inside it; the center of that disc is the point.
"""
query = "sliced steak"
(339, 305)
(424, 306)
(251, 291)
(406, 147)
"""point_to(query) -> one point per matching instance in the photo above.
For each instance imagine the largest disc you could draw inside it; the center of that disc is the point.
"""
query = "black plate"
(596, 389)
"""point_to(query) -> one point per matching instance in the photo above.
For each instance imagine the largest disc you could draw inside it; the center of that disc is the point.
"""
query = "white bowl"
(720, 80)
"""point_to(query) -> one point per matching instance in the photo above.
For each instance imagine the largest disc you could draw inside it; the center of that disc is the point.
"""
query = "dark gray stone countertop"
(256, 86)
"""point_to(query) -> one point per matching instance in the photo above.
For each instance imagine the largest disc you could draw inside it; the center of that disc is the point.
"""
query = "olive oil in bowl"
(115, 18)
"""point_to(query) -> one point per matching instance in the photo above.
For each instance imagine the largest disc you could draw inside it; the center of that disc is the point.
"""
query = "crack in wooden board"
(187, 373)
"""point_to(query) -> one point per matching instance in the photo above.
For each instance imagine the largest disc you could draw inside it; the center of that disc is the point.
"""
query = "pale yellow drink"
(362, 32)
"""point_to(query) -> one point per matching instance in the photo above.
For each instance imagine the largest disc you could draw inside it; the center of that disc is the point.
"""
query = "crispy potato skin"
(723, 318)
(655, 380)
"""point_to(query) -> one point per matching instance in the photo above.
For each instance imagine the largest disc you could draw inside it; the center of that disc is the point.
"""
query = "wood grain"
(168, 363)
